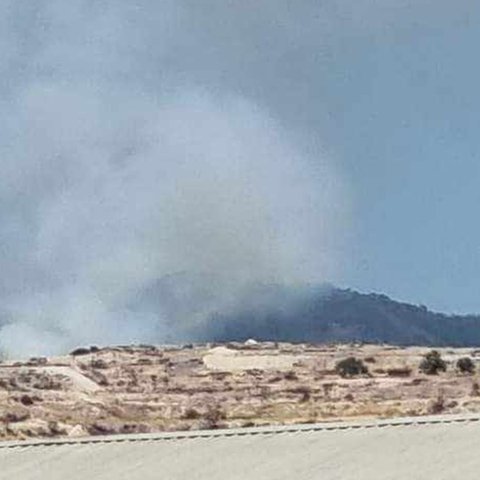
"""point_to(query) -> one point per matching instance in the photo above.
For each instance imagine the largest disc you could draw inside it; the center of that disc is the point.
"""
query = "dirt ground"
(140, 389)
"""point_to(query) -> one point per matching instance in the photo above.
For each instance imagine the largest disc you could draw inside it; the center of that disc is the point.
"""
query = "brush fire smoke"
(110, 184)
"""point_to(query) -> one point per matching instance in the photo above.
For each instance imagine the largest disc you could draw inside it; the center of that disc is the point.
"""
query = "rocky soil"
(140, 389)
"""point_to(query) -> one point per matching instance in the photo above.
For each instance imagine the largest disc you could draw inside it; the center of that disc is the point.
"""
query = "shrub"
(417, 381)
(433, 363)
(327, 389)
(191, 414)
(475, 390)
(305, 391)
(80, 351)
(84, 350)
(399, 372)
(213, 417)
(437, 405)
(290, 375)
(26, 400)
(14, 417)
(99, 363)
(465, 365)
(351, 367)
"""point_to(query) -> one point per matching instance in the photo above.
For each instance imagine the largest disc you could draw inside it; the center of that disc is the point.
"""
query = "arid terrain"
(130, 389)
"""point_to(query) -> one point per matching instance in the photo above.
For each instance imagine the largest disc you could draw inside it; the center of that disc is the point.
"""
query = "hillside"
(345, 315)
(301, 314)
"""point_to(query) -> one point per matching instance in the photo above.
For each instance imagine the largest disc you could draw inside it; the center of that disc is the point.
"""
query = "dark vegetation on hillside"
(344, 316)
(308, 313)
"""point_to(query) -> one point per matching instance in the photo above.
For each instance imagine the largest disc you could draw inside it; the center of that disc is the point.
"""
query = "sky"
(274, 140)
(390, 90)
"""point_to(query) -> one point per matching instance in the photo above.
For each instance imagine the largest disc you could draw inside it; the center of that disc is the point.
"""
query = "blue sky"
(405, 125)
(286, 140)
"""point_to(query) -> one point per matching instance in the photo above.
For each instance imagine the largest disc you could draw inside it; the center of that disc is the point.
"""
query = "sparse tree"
(465, 365)
(433, 363)
(351, 367)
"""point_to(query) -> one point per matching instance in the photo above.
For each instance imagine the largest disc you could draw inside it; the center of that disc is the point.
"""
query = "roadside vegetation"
(351, 367)
(433, 363)
(465, 365)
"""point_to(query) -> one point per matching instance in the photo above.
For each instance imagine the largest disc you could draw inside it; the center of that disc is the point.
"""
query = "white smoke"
(107, 187)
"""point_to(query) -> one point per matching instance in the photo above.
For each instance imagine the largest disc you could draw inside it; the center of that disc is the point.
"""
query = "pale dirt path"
(222, 358)
(79, 380)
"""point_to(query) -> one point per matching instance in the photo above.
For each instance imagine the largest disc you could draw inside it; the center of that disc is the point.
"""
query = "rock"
(31, 428)
(57, 429)
(135, 428)
(76, 431)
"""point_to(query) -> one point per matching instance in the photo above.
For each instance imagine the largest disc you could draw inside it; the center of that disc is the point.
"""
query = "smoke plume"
(117, 175)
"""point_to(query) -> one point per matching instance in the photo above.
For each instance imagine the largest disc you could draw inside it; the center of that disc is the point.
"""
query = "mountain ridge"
(346, 315)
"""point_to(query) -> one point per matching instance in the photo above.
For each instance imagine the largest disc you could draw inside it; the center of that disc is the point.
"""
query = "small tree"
(351, 367)
(465, 365)
(433, 363)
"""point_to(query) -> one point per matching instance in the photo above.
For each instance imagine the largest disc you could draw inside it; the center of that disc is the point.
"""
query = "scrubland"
(141, 389)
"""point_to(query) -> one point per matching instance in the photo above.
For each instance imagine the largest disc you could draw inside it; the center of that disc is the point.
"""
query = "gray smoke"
(117, 172)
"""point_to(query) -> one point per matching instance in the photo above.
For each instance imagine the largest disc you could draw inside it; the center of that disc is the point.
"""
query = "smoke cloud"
(118, 173)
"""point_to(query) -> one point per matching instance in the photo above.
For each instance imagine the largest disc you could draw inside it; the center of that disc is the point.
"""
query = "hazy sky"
(332, 140)
(390, 89)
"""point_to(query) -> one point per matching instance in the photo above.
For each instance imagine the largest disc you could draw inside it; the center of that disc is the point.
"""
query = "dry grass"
(140, 389)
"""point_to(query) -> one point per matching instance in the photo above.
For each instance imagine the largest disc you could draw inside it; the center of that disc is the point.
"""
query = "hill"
(205, 309)
(335, 315)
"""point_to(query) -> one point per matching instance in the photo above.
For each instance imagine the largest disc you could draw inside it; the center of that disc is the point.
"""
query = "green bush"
(351, 367)
(465, 365)
(433, 363)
